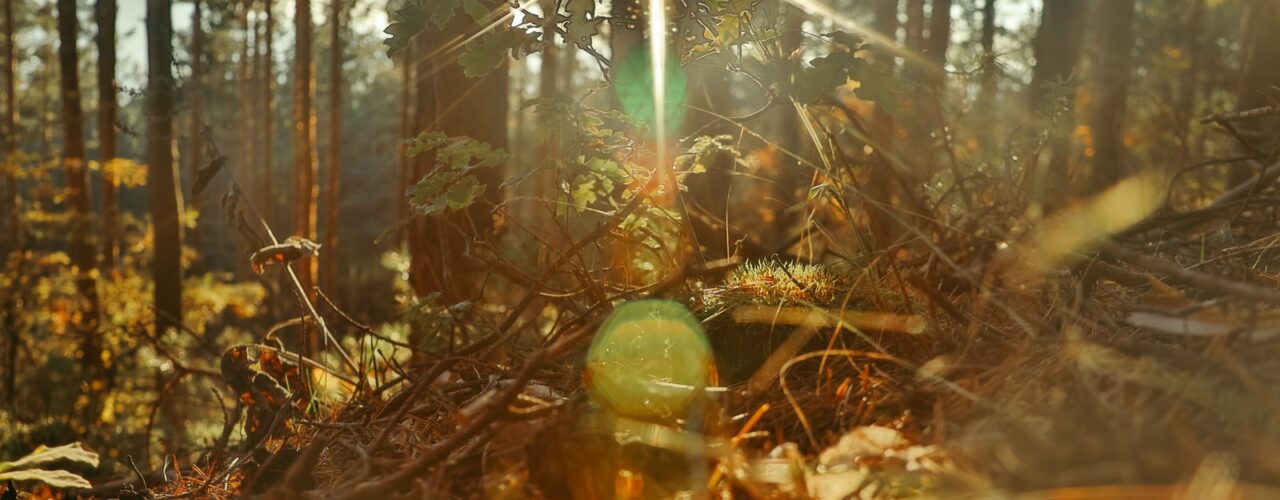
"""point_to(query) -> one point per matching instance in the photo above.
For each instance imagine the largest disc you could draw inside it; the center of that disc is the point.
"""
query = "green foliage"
(705, 150)
(487, 53)
(451, 186)
(410, 21)
(24, 469)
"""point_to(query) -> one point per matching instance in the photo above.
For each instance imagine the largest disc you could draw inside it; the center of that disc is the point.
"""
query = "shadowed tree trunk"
(990, 72)
(1115, 64)
(1057, 51)
(475, 108)
(330, 256)
(267, 119)
(939, 34)
(423, 273)
(83, 256)
(406, 131)
(12, 201)
(304, 134)
(106, 39)
(195, 91)
(1056, 46)
(1261, 71)
(915, 25)
(1188, 88)
(162, 174)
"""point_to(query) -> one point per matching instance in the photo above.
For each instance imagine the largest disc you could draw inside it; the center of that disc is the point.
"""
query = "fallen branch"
(1181, 274)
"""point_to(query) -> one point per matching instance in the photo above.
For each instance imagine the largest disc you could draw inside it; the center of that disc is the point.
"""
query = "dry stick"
(1255, 185)
(486, 415)
(496, 337)
(1235, 116)
(1193, 278)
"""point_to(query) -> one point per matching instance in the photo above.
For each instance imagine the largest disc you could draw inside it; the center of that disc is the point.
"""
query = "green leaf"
(478, 12)
(424, 142)
(441, 11)
(410, 21)
(42, 455)
(488, 52)
(54, 478)
(584, 193)
(463, 193)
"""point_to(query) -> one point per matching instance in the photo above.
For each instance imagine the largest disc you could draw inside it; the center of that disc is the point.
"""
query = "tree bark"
(330, 256)
(162, 175)
(987, 94)
(915, 25)
(1056, 46)
(1261, 71)
(13, 200)
(195, 92)
(475, 108)
(106, 40)
(267, 119)
(304, 134)
(1115, 64)
(1057, 50)
(406, 131)
(939, 32)
(83, 255)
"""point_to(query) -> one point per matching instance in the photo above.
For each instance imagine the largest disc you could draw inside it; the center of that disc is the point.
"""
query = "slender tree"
(195, 89)
(915, 25)
(1261, 71)
(330, 256)
(1115, 64)
(939, 32)
(1057, 51)
(12, 199)
(990, 72)
(83, 255)
(406, 130)
(475, 108)
(106, 39)
(1056, 46)
(162, 174)
(304, 134)
(267, 119)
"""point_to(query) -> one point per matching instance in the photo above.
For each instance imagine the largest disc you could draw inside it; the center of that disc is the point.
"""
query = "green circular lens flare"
(649, 360)
(633, 83)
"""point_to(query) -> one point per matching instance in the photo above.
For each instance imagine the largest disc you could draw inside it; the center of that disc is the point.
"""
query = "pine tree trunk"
(330, 255)
(939, 33)
(1261, 71)
(987, 94)
(83, 255)
(406, 131)
(162, 175)
(195, 93)
(268, 195)
(915, 25)
(12, 201)
(475, 108)
(424, 273)
(304, 133)
(1115, 64)
(1057, 50)
(106, 17)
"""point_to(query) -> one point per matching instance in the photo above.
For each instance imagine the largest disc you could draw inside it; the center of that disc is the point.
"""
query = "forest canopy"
(640, 249)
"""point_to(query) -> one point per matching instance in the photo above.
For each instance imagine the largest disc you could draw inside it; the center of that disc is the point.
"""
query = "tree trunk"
(267, 119)
(162, 175)
(195, 91)
(304, 133)
(1057, 51)
(475, 108)
(915, 25)
(424, 275)
(406, 130)
(1261, 71)
(106, 17)
(330, 256)
(1189, 86)
(1056, 46)
(939, 32)
(1115, 64)
(990, 72)
(83, 256)
(13, 201)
